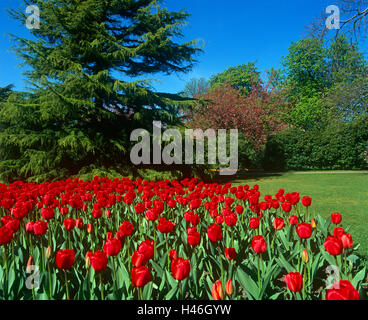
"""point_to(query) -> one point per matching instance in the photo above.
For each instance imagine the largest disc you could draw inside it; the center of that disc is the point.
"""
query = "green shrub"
(339, 146)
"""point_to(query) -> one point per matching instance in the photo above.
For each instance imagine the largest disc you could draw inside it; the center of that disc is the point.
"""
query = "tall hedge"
(339, 146)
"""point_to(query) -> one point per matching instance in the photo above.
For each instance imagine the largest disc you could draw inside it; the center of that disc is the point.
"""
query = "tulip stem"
(50, 281)
(337, 265)
(30, 242)
(70, 244)
(304, 282)
(154, 245)
(42, 256)
(12, 247)
(6, 265)
(222, 268)
(66, 285)
(232, 238)
(102, 291)
(49, 237)
(113, 267)
(259, 275)
(168, 255)
(301, 258)
(88, 282)
(129, 260)
(33, 294)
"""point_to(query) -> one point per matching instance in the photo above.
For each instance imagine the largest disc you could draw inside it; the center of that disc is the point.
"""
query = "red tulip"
(306, 201)
(333, 245)
(165, 226)
(338, 232)
(214, 232)
(147, 247)
(29, 226)
(64, 211)
(230, 253)
(96, 213)
(294, 281)
(286, 206)
(79, 223)
(193, 236)
(239, 209)
(39, 228)
(139, 258)
(126, 229)
(13, 224)
(112, 247)
(219, 219)
(180, 268)
(304, 230)
(342, 290)
(140, 276)
(98, 260)
(47, 213)
(293, 220)
(65, 259)
(259, 244)
(278, 223)
(336, 218)
(6, 235)
(173, 254)
(139, 208)
(69, 224)
(109, 235)
(231, 219)
(151, 214)
(254, 223)
(275, 204)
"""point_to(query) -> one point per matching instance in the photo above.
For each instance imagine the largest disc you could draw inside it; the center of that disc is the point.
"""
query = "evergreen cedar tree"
(84, 99)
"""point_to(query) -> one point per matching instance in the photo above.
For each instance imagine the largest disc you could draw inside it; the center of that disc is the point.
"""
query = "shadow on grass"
(244, 176)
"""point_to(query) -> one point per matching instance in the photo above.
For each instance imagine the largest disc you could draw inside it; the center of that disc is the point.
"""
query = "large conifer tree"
(85, 64)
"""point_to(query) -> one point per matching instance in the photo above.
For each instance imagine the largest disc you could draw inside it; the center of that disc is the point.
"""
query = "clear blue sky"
(233, 32)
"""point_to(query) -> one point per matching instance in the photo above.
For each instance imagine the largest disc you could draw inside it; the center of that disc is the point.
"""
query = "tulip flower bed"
(124, 239)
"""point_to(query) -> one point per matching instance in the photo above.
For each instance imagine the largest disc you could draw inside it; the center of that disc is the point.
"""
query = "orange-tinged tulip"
(48, 252)
(347, 241)
(229, 287)
(305, 256)
(313, 223)
(89, 228)
(87, 259)
(217, 291)
(29, 264)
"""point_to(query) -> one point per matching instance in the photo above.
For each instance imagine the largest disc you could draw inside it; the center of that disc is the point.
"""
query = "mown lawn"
(346, 193)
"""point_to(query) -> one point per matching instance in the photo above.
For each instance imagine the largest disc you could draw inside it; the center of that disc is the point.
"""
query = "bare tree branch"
(353, 22)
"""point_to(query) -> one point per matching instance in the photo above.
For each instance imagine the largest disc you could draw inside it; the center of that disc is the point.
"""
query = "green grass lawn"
(344, 193)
